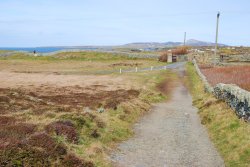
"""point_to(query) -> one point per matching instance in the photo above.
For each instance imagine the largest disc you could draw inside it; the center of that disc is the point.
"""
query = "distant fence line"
(237, 98)
(137, 69)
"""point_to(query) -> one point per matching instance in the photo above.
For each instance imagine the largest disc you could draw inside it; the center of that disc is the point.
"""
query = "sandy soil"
(23, 91)
(46, 81)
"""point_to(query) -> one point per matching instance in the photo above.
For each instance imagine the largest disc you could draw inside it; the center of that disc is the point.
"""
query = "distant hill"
(194, 42)
(138, 45)
(190, 42)
(143, 45)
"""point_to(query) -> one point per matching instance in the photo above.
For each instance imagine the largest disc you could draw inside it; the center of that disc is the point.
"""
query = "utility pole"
(184, 43)
(216, 38)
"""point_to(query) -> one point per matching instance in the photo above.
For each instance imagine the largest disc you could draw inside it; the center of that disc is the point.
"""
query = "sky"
(29, 23)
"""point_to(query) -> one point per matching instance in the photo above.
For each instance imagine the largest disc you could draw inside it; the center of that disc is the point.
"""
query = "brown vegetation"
(239, 75)
(180, 51)
(63, 128)
(164, 56)
(48, 118)
(109, 99)
(72, 161)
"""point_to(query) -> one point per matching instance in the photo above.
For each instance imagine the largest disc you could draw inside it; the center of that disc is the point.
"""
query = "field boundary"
(237, 98)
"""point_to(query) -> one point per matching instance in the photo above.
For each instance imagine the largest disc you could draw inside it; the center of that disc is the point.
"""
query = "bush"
(164, 56)
(47, 143)
(71, 160)
(37, 150)
(64, 128)
(14, 135)
(180, 51)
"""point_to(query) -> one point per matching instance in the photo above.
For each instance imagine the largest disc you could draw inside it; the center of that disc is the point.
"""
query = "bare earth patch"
(24, 80)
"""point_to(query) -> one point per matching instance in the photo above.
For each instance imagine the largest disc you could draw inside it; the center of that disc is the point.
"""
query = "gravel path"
(170, 136)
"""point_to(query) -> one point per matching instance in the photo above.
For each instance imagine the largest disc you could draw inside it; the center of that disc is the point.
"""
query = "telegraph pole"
(184, 43)
(216, 38)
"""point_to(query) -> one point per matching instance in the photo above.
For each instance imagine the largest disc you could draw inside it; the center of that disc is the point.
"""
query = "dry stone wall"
(208, 87)
(237, 58)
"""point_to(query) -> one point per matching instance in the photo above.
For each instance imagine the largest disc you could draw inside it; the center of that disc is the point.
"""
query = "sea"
(46, 49)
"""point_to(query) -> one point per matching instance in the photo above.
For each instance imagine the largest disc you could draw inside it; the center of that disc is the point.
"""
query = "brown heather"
(64, 128)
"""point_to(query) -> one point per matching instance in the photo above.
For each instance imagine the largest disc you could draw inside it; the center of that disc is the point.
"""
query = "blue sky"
(28, 23)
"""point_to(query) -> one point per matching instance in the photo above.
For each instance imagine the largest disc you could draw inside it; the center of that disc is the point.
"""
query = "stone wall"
(237, 58)
(208, 57)
(204, 58)
(207, 86)
(237, 98)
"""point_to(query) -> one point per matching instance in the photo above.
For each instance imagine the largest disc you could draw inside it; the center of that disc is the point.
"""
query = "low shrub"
(71, 160)
(47, 143)
(6, 120)
(180, 51)
(24, 156)
(78, 120)
(64, 128)
(163, 57)
(14, 135)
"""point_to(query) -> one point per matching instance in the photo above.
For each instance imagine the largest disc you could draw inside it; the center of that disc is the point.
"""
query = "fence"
(137, 69)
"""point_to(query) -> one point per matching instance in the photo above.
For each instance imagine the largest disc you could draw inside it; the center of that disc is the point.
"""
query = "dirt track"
(171, 136)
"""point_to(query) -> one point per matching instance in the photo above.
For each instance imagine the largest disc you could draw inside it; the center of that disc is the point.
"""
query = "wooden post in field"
(136, 69)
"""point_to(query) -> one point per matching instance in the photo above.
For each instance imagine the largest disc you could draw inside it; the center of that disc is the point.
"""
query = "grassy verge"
(230, 135)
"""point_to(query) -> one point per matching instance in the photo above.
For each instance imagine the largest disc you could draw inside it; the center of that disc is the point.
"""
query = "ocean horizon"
(45, 49)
